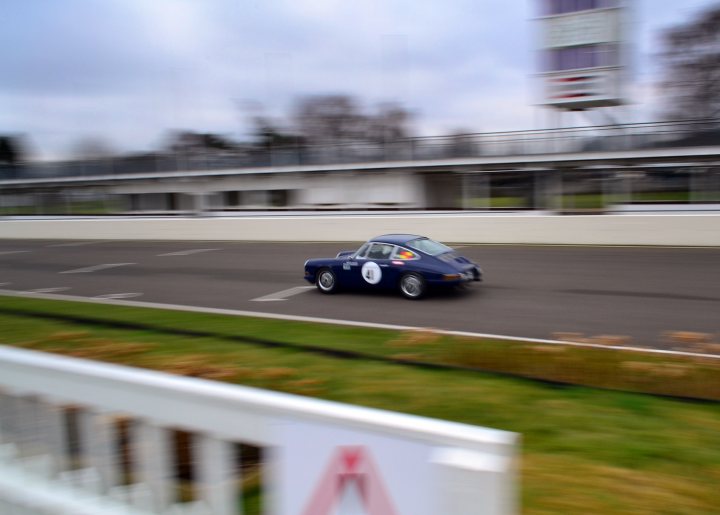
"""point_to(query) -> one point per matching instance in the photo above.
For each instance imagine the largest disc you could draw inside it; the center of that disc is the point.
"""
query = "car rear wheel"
(326, 281)
(412, 286)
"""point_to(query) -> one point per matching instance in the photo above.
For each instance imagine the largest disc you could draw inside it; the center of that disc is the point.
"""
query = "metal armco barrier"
(86, 438)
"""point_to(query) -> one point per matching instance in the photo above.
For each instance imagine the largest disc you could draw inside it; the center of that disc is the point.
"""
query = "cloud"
(131, 69)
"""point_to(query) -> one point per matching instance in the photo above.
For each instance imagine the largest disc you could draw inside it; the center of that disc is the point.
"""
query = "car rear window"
(429, 246)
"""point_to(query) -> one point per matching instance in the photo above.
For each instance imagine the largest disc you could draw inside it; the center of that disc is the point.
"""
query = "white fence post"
(216, 474)
(56, 430)
(26, 427)
(153, 459)
(6, 418)
(99, 444)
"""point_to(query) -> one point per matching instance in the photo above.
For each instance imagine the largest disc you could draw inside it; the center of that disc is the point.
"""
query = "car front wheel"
(326, 281)
(412, 286)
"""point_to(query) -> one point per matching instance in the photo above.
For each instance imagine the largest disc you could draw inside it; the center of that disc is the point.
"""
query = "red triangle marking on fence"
(350, 465)
(351, 457)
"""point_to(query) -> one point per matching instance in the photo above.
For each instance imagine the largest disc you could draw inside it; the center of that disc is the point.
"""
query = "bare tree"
(691, 60)
(12, 156)
(329, 119)
(341, 119)
(92, 148)
(268, 135)
(390, 123)
(10, 152)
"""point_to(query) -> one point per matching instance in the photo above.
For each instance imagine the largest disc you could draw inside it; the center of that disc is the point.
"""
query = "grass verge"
(669, 375)
(584, 450)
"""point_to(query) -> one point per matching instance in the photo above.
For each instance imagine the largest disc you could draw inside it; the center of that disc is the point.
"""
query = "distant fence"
(85, 438)
(620, 137)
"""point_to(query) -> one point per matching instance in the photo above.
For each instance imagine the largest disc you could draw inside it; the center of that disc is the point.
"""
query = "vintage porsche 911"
(407, 262)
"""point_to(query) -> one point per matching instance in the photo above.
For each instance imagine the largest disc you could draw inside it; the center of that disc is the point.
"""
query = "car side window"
(405, 254)
(380, 251)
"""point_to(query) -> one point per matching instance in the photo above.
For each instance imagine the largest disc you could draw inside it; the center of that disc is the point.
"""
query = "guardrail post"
(216, 474)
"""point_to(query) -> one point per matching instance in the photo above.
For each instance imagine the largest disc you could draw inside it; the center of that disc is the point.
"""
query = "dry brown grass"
(309, 386)
(610, 340)
(688, 337)
(683, 376)
(407, 357)
(415, 338)
(275, 373)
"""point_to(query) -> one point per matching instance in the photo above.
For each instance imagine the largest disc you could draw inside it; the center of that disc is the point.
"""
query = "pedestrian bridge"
(522, 169)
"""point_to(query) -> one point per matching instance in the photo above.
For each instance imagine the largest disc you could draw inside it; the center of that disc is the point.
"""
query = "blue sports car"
(408, 262)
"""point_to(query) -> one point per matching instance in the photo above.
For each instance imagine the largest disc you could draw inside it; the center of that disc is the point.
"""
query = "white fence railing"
(80, 437)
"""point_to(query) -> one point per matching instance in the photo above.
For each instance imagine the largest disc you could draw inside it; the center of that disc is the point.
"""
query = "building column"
(486, 190)
(465, 192)
(200, 203)
(548, 190)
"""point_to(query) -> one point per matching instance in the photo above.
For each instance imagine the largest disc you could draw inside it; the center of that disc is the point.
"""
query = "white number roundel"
(371, 272)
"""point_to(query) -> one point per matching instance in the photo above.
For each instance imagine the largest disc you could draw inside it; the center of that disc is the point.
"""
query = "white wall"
(351, 190)
(684, 230)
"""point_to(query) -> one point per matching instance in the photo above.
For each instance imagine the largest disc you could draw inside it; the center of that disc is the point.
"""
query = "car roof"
(396, 239)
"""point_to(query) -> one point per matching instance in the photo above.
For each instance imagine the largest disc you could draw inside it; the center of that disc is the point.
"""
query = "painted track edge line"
(332, 321)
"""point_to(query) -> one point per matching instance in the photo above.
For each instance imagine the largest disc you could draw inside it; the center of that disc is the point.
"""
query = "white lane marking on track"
(350, 323)
(283, 295)
(78, 243)
(118, 296)
(187, 252)
(5, 252)
(50, 290)
(5, 284)
(95, 268)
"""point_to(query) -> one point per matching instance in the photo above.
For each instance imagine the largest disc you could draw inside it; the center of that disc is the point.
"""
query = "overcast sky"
(127, 71)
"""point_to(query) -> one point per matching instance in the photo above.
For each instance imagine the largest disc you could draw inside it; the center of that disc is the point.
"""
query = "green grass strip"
(668, 375)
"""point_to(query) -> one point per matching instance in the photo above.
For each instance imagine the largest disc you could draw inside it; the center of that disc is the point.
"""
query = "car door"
(370, 267)
(350, 272)
(402, 261)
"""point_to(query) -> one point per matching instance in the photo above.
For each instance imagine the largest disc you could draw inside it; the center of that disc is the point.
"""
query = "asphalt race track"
(529, 291)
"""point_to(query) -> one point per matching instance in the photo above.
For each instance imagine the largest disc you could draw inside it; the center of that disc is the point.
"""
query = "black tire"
(412, 286)
(326, 281)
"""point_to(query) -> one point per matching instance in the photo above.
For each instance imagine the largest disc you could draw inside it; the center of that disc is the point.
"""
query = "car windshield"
(429, 246)
(362, 251)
